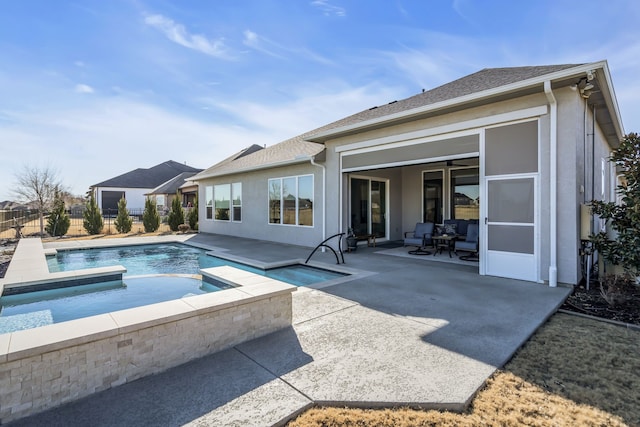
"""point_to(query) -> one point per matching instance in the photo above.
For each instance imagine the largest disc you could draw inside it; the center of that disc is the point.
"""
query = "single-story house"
(134, 185)
(528, 145)
(179, 186)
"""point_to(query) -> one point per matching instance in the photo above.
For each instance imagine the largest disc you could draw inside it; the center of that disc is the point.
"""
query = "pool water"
(33, 309)
(176, 258)
(155, 273)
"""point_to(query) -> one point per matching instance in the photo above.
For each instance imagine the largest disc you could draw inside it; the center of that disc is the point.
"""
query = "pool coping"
(212, 250)
(28, 271)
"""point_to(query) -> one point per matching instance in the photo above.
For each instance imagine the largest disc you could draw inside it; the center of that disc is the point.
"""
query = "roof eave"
(297, 160)
(322, 137)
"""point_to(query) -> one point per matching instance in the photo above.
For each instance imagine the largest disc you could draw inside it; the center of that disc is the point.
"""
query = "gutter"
(553, 190)
(312, 159)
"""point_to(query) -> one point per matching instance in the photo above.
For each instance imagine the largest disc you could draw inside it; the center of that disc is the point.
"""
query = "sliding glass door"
(368, 207)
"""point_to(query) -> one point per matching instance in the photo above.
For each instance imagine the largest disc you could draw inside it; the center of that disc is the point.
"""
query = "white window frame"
(297, 200)
(232, 195)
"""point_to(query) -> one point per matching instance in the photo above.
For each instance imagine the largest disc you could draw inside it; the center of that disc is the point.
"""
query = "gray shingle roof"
(294, 149)
(171, 186)
(297, 147)
(148, 178)
(488, 78)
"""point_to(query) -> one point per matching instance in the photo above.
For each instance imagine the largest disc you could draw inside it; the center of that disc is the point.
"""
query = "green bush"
(176, 214)
(624, 218)
(123, 221)
(150, 217)
(192, 217)
(93, 221)
(59, 222)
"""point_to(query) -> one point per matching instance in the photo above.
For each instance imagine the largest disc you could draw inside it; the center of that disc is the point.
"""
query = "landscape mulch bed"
(591, 302)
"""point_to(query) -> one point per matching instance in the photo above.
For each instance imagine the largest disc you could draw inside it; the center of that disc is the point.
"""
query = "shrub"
(93, 221)
(150, 216)
(192, 217)
(624, 219)
(59, 222)
(176, 214)
(123, 221)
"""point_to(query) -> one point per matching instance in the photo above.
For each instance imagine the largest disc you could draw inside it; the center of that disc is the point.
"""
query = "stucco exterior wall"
(255, 207)
(411, 180)
(571, 134)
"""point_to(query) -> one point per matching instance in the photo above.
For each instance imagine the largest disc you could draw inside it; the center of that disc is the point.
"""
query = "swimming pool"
(175, 258)
(155, 273)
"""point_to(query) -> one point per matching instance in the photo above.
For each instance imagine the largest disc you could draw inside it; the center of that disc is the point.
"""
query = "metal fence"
(29, 224)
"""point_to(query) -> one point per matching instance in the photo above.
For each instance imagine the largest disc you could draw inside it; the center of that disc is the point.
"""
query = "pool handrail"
(325, 245)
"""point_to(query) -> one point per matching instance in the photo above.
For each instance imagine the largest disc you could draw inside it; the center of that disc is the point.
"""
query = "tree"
(58, 222)
(93, 221)
(623, 218)
(123, 221)
(150, 217)
(176, 214)
(37, 185)
(192, 217)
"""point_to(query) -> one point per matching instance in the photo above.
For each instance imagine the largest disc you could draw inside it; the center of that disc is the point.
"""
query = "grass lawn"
(572, 372)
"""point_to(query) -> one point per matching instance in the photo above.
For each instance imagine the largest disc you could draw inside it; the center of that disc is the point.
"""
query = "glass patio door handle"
(486, 220)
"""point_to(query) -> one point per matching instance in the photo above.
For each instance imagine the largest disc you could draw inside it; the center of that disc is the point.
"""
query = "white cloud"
(310, 107)
(329, 9)
(271, 48)
(257, 42)
(105, 138)
(82, 88)
(178, 34)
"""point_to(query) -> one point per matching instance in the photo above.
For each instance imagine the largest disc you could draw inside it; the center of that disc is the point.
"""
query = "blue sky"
(95, 88)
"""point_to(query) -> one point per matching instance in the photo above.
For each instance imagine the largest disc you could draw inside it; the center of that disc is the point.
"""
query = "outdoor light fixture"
(584, 85)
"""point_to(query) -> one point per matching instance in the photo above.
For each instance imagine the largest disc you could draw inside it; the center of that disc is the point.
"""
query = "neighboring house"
(135, 184)
(530, 144)
(178, 186)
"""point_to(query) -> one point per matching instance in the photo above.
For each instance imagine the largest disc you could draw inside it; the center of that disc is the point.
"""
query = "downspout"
(553, 187)
(312, 159)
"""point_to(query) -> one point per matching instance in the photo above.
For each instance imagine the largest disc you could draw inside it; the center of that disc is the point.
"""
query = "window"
(222, 201)
(160, 201)
(433, 202)
(236, 192)
(209, 201)
(465, 189)
(291, 200)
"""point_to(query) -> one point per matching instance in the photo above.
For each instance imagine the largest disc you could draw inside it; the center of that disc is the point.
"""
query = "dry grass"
(572, 372)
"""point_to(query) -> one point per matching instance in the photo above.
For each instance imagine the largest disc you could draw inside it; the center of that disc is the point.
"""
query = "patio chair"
(470, 244)
(420, 237)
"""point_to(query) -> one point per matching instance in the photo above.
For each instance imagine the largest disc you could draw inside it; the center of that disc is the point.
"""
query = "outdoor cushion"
(470, 244)
(421, 236)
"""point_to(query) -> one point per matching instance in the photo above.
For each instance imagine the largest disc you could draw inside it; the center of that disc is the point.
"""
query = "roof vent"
(393, 102)
(373, 108)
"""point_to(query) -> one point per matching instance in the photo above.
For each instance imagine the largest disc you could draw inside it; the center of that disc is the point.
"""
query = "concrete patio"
(409, 331)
